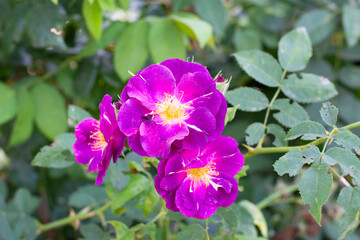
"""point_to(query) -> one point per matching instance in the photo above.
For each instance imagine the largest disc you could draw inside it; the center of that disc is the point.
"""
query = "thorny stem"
(258, 151)
(267, 114)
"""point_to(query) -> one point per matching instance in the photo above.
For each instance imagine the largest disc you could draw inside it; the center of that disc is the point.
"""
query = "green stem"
(267, 114)
(207, 229)
(276, 195)
(258, 151)
(68, 220)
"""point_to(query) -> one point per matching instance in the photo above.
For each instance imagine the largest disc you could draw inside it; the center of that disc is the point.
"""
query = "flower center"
(99, 142)
(171, 110)
(202, 175)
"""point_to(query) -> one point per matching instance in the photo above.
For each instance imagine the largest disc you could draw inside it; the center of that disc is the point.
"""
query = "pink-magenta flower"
(98, 141)
(196, 182)
(171, 105)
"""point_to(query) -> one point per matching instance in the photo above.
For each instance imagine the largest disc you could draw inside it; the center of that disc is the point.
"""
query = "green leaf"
(278, 133)
(137, 184)
(178, 6)
(214, 12)
(309, 130)
(151, 200)
(193, 27)
(85, 76)
(93, 17)
(258, 217)
(107, 5)
(3, 190)
(8, 103)
(254, 132)
(292, 162)
(166, 41)
(349, 76)
(24, 202)
(131, 50)
(76, 115)
(247, 99)
(348, 140)
(149, 229)
(349, 199)
(310, 88)
(92, 231)
(88, 195)
(319, 24)
(23, 126)
(246, 39)
(295, 50)
(230, 114)
(350, 20)
(122, 231)
(328, 113)
(191, 232)
(50, 110)
(260, 66)
(40, 20)
(125, 4)
(115, 174)
(58, 155)
(290, 113)
(65, 79)
(110, 34)
(348, 162)
(315, 189)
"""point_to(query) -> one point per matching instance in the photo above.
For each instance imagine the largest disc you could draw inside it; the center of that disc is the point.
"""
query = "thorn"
(133, 75)
(250, 149)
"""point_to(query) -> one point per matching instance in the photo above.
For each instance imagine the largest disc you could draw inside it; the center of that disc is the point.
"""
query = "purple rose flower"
(98, 141)
(196, 182)
(171, 105)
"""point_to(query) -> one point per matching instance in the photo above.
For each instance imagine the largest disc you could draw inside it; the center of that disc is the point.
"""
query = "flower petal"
(131, 116)
(108, 121)
(179, 68)
(201, 120)
(220, 119)
(226, 192)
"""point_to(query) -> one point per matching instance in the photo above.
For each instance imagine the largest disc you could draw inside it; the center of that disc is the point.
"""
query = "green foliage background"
(286, 59)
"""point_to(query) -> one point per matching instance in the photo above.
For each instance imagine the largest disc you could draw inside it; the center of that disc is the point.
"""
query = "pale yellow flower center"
(171, 110)
(202, 175)
(99, 142)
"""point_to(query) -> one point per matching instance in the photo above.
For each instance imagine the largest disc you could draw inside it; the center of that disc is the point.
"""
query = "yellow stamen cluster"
(99, 142)
(171, 110)
(203, 174)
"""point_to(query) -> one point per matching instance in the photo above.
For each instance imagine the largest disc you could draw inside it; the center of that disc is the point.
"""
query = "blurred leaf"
(24, 125)
(131, 49)
(194, 27)
(247, 99)
(242, 172)
(295, 50)
(246, 39)
(115, 174)
(6, 232)
(230, 114)
(349, 76)
(350, 21)
(315, 189)
(347, 102)
(309, 130)
(214, 12)
(279, 134)
(122, 231)
(348, 140)
(76, 115)
(86, 76)
(319, 23)
(3, 190)
(149, 229)
(329, 113)
(258, 217)
(41, 19)
(8, 103)
(310, 88)
(58, 155)
(110, 34)
(260, 66)
(107, 5)
(93, 17)
(151, 200)
(50, 110)
(65, 78)
(349, 199)
(125, 4)
(351, 227)
(320, 67)
(92, 231)
(348, 162)
(292, 162)
(290, 113)
(27, 227)
(137, 184)
(166, 41)
(178, 6)
(24, 202)
(88, 195)
(191, 232)
(351, 53)
(254, 132)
